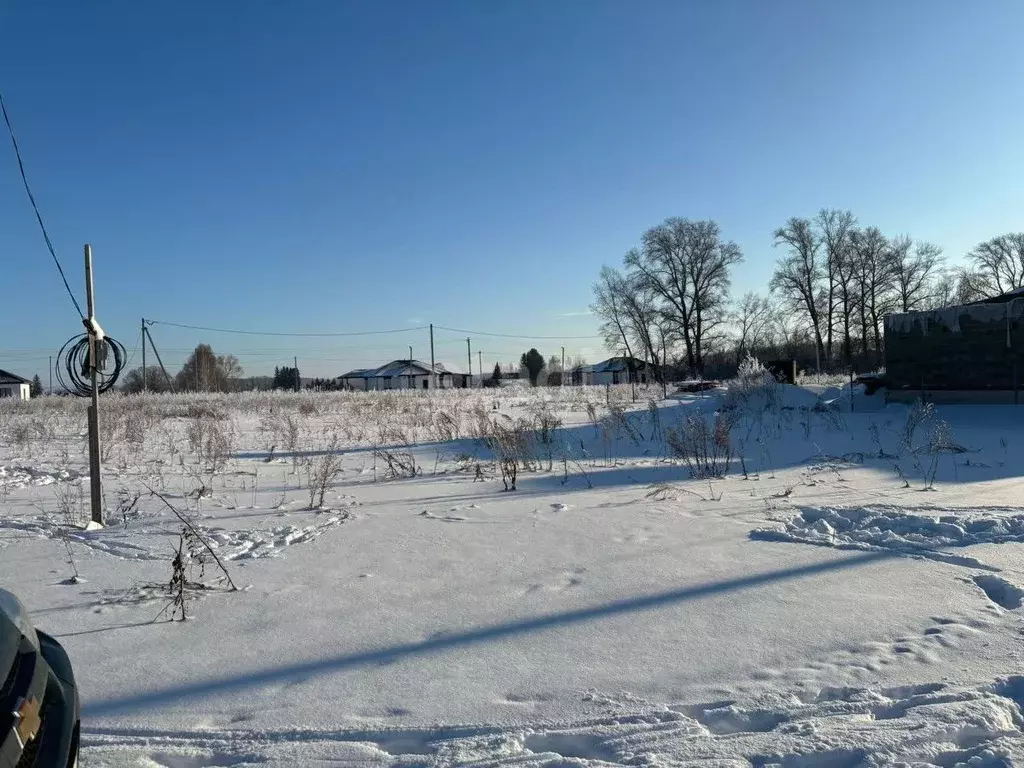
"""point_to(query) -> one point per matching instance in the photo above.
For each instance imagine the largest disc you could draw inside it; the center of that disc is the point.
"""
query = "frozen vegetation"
(760, 575)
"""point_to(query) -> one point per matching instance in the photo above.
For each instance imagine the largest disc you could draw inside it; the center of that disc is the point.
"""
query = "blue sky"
(342, 166)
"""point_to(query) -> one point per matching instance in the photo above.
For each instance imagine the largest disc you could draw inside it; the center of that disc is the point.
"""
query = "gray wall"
(958, 348)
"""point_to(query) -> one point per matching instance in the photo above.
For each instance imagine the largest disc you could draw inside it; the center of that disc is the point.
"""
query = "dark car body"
(39, 708)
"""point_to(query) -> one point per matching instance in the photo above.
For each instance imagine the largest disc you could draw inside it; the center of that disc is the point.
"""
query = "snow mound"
(109, 541)
(17, 476)
(255, 544)
(893, 528)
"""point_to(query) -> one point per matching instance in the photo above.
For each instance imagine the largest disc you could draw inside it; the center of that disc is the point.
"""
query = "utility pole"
(433, 366)
(95, 485)
(167, 376)
(563, 366)
(480, 364)
(143, 354)
(410, 353)
(51, 374)
(298, 385)
(469, 357)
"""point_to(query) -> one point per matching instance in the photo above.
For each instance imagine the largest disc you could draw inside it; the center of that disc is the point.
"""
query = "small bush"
(321, 472)
(705, 447)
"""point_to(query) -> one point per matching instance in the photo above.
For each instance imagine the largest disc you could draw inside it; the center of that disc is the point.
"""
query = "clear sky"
(347, 166)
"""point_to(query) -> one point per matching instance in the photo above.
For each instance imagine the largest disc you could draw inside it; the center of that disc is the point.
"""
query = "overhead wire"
(35, 207)
(512, 335)
(282, 333)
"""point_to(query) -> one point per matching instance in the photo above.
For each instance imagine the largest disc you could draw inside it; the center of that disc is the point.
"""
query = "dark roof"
(1004, 298)
(618, 364)
(360, 373)
(9, 378)
(398, 368)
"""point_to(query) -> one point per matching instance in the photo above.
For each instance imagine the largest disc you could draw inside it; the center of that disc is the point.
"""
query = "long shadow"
(457, 640)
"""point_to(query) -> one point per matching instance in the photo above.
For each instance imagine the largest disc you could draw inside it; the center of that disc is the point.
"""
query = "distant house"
(14, 386)
(357, 379)
(404, 374)
(614, 370)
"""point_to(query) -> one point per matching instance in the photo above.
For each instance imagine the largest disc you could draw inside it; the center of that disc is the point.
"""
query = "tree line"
(670, 303)
(203, 371)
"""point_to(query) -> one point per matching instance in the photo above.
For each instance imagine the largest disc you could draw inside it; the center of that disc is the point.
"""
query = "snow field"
(611, 610)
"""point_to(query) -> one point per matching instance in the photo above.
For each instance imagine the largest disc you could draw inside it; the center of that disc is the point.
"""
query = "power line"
(32, 200)
(513, 335)
(280, 333)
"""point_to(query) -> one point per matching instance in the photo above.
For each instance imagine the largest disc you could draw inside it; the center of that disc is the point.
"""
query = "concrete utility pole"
(51, 374)
(298, 384)
(480, 364)
(433, 365)
(469, 358)
(563, 366)
(143, 354)
(95, 482)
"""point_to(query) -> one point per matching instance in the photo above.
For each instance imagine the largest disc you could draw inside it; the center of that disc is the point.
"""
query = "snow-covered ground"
(848, 594)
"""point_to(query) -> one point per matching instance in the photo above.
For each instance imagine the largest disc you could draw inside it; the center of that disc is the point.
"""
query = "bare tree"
(641, 306)
(874, 278)
(964, 285)
(753, 318)
(799, 276)
(229, 368)
(998, 264)
(608, 308)
(155, 380)
(792, 333)
(835, 227)
(206, 372)
(915, 272)
(847, 296)
(686, 264)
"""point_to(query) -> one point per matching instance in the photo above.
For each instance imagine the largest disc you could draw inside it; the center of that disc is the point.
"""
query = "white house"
(14, 386)
(404, 374)
(614, 370)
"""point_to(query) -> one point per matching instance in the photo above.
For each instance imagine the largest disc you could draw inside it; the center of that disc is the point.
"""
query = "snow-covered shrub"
(322, 471)
(398, 463)
(617, 422)
(918, 414)
(511, 440)
(445, 427)
(703, 443)
(754, 390)
(804, 378)
(545, 422)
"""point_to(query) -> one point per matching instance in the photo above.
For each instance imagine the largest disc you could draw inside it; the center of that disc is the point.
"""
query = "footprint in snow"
(443, 518)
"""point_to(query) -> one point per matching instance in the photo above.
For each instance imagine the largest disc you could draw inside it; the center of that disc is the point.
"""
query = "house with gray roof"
(14, 386)
(614, 370)
(404, 374)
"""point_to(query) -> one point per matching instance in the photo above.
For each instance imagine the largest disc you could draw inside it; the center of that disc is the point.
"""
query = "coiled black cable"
(73, 362)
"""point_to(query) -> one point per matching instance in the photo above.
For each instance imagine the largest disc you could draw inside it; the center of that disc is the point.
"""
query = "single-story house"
(614, 370)
(404, 374)
(14, 386)
(357, 379)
